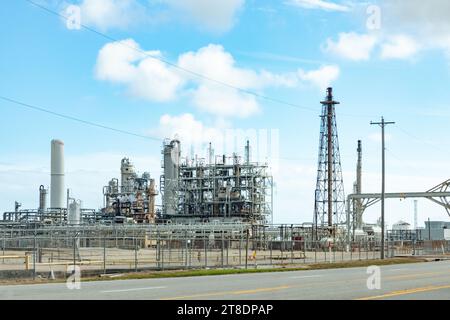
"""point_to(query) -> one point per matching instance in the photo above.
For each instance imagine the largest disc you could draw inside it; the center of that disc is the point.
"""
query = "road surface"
(406, 281)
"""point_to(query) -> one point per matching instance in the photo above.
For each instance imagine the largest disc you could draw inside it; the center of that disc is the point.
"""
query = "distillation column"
(57, 192)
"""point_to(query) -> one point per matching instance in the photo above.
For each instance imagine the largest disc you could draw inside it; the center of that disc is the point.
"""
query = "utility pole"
(382, 124)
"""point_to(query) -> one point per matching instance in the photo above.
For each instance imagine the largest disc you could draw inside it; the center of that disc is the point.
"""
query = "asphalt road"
(406, 281)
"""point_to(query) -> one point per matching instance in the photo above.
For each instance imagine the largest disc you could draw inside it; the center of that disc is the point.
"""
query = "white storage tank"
(74, 213)
(57, 188)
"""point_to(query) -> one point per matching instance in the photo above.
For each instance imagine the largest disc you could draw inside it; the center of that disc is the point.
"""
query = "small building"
(436, 230)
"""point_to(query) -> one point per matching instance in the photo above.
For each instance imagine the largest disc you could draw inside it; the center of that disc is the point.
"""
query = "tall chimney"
(57, 188)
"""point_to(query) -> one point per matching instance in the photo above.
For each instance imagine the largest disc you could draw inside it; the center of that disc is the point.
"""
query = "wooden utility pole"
(382, 124)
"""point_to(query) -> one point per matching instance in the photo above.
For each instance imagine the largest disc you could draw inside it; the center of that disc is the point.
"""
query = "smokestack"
(57, 188)
(359, 169)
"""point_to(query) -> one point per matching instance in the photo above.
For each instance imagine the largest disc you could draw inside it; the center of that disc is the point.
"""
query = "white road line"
(304, 277)
(135, 289)
(400, 269)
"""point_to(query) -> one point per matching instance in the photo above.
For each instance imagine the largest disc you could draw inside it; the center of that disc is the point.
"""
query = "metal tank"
(171, 164)
(74, 213)
(57, 188)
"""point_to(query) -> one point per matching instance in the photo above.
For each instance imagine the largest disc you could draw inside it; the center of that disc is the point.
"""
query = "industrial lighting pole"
(382, 124)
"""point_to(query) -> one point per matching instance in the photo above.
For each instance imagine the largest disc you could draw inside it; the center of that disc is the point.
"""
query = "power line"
(86, 122)
(419, 139)
(174, 65)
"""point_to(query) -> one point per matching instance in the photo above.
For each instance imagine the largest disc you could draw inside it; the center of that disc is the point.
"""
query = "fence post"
(374, 245)
(104, 253)
(4, 245)
(359, 250)
(240, 250)
(228, 246)
(186, 250)
(315, 251)
(34, 256)
(190, 246)
(161, 253)
(367, 250)
(222, 249)
(271, 244)
(246, 249)
(135, 255)
(351, 250)
(74, 250)
(292, 250)
(333, 250)
(206, 251)
(304, 250)
(170, 250)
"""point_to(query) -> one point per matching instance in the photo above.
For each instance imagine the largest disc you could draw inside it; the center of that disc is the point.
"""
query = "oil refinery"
(216, 190)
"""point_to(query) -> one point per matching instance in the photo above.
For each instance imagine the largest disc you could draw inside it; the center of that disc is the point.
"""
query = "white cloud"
(211, 15)
(319, 4)
(216, 15)
(107, 14)
(399, 47)
(224, 102)
(425, 17)
(352, 46)
(188, 129)
(408, 27)
(323, 77)
(146, 77)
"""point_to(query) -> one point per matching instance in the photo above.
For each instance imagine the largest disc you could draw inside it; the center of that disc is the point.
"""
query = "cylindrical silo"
(171, 175)
(42, 199)
(57, 188)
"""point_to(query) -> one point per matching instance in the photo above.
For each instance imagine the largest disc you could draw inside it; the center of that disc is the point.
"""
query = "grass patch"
(216, 272)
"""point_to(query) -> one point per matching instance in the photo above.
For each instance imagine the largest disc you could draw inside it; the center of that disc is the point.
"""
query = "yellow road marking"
(332, 283)
(404, 292)
(212, 294)
(415, 275)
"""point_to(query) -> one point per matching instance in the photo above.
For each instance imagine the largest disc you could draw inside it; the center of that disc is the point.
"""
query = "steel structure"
(228, 189)
(134, 199)
(50, 217)
(357, 187)
(329, 208)
(439, 194)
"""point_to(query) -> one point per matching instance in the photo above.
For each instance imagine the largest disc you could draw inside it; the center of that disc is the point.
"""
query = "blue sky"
(286, 50)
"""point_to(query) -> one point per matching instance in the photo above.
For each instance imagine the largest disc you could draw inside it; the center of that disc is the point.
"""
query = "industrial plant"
(208, 212)
(218, 189)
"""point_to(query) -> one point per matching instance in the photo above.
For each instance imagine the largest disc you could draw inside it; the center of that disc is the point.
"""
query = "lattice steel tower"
(329, 209)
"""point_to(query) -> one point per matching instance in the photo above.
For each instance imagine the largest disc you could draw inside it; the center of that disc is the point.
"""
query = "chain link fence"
(128, 250)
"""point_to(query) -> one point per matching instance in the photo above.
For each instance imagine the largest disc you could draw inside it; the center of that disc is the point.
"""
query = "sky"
(199, 69)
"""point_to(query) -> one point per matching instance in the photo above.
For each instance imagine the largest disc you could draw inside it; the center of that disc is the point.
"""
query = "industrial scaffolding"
(226, 189)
